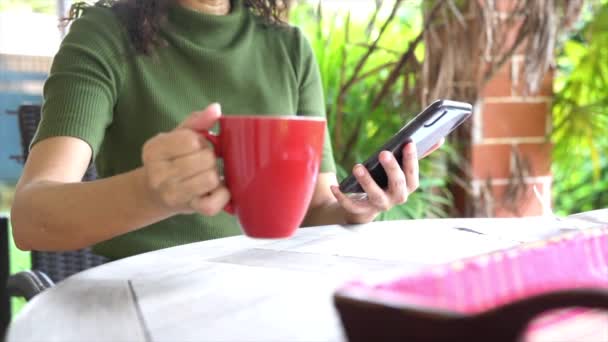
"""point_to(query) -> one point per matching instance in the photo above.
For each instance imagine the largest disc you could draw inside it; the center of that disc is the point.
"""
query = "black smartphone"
(425, 130)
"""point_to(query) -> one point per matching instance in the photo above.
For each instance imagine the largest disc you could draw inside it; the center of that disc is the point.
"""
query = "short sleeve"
(83, 85)
(311, 100)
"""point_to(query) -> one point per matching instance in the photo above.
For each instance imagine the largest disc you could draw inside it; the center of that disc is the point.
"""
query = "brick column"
(511, 150)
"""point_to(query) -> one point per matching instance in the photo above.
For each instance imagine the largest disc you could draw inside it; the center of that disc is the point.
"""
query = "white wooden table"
(241, 289)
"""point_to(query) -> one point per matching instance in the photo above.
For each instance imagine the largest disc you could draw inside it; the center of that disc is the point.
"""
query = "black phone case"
(433, 117)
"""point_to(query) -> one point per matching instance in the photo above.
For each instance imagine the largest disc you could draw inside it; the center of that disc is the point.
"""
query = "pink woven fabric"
(481, 283)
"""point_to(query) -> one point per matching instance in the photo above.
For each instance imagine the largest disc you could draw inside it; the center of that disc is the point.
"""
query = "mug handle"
(215, 141)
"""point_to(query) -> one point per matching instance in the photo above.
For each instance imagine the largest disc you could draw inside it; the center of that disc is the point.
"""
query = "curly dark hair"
(143, 19)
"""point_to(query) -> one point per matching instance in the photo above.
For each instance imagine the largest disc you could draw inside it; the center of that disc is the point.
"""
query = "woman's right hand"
(181, 168)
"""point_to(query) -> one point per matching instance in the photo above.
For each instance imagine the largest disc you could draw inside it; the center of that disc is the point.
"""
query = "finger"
(212, 204)
(377, 197)
(200, 184)
(203, 120)
(410, 167)
(158, 173)
(172, 145)
(176, 193)
(396, 178)
(193, 164)
(434, 147)
(347, 203)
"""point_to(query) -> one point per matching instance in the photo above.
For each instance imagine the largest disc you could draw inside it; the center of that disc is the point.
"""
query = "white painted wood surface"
(241, 289)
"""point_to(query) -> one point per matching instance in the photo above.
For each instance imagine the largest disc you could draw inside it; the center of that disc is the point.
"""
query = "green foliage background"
(40, 6)
(339, 41)
(580, 116)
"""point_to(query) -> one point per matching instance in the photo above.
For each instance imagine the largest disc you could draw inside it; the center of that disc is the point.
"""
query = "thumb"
(203, 120)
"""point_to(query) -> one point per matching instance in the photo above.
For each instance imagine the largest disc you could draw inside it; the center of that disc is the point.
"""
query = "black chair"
(5, 302)
(47, 267)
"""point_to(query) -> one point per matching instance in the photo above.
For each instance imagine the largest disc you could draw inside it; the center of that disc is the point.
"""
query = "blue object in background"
(15, 90)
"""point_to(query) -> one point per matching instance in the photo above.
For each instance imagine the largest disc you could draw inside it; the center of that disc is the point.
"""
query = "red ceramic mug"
(271, 165)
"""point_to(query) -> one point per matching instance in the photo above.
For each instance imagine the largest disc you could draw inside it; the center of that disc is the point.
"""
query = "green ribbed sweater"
(101, 92)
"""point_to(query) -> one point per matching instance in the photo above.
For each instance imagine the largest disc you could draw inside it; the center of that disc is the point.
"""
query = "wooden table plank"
(85, 310)
(224, 302)
(259, 290)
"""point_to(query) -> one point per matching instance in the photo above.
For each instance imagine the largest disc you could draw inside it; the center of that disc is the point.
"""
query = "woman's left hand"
(401, 183)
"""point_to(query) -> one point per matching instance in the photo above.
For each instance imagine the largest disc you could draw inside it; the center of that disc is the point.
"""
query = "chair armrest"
(27, 284)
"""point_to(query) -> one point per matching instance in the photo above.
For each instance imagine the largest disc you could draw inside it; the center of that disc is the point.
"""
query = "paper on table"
(396, 241)
(526, 229)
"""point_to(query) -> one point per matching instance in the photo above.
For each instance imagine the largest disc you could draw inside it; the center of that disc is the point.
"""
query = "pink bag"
(494, 297)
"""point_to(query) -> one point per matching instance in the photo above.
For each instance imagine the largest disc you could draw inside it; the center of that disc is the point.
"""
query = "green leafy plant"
(369, 95)
(580, 117)
(7, 192)
(39, 6)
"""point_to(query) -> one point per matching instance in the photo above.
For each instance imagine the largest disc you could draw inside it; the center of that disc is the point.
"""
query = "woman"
(124, 91)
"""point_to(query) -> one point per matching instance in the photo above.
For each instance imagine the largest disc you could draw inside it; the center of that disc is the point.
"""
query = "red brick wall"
(506, 121)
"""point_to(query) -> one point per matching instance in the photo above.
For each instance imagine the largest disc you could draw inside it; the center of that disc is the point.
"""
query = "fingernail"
(385, 156)
(359, 171)
(414, 152)
(216, 106)
(411, 148)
